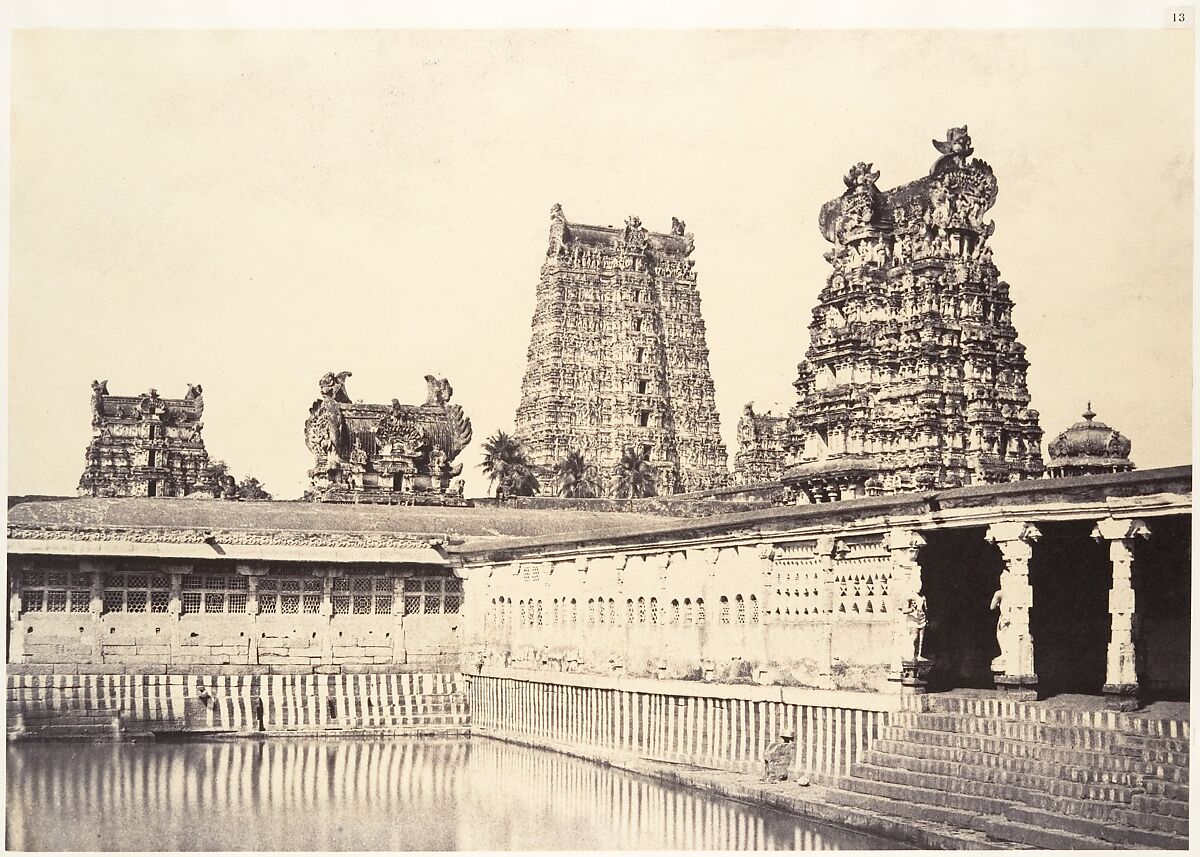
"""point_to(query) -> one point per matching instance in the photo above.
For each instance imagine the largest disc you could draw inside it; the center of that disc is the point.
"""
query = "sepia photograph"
(661, 428)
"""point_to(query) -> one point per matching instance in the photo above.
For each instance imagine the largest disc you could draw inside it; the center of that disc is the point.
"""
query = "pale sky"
(249, 210)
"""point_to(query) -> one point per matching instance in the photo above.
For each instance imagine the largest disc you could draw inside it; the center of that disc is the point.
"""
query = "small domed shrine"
(1089, 447)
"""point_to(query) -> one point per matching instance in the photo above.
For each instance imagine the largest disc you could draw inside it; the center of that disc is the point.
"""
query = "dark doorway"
(959, 573)
(1071, 575)
(152, 488)
(1162, 582)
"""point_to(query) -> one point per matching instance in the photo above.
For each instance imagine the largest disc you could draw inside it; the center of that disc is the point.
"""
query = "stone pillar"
(16, 642)
(97, 569)
(399, 652)
(828, 551)
(1121, 678)
(175, 606)
(252, 571)
(910, 667)
(1014, 667)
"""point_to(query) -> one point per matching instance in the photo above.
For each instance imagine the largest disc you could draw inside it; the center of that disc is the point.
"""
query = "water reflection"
(368, 795)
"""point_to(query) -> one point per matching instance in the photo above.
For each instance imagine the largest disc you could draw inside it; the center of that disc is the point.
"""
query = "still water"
(368, 795)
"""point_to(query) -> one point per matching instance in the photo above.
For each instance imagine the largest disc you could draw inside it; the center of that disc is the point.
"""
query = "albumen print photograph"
(533, 436)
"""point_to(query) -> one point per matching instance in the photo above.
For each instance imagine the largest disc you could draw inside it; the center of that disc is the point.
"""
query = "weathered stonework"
(386, 453)
(914, 378)
(145, 446)
(763, 441)
(618, 356)
(1089, 447)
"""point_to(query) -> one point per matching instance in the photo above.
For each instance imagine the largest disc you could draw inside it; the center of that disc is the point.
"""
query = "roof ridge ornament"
(955, 150)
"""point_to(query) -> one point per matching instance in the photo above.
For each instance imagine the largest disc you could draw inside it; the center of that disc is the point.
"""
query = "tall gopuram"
(372, 453)
(914, 378)
(145, 446)
(618, 356)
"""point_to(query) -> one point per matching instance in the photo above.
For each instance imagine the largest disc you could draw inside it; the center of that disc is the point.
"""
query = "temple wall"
(810, 612)
(150, 615)
(713, 726)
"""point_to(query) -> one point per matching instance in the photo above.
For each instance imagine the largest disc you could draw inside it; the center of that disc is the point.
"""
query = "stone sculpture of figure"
(916, 620)
(1003, 631)
(334, 386)
(779, 758)
(677, 226)
(745, 426)
(437, 463)
(955, 150)
(456, 487)
(195, 395)
(438, 392)
(558, 231)
(228, 488)
(99, 391)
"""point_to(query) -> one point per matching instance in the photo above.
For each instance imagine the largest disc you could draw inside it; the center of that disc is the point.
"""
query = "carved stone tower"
(145, 446)
(618, 356)
(914, 378)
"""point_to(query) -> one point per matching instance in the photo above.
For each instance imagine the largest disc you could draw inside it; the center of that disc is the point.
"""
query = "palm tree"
(576, 478)
(506, 466)
(635, 475)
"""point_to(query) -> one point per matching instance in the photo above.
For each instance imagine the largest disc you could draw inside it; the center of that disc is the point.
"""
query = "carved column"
(828, 551)
(1121, 678)
(1014, 667)
(910, 667)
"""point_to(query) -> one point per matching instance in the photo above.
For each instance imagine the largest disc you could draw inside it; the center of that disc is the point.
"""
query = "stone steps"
(903, 752)
(992, 707)
(1029, 775)
(1172, 768)
(1118, 834)
(1057, 784)
(1082, 737)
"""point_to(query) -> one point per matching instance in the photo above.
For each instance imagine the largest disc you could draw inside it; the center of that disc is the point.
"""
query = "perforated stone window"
(753, 610)
(641, 611)
(629, 611)
(700, 616)
(592, 611)
(213, 593)
(612, 612)
(724, 610)
(741, 610)
(687, 611)
(674, 611)
(440, 595)
(55, 591)
(289, 594)
(136, 592)
(574, 612)
(361, 595)
(653, 611)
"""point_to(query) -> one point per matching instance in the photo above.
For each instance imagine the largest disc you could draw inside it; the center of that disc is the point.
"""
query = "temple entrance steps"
(1029, 773)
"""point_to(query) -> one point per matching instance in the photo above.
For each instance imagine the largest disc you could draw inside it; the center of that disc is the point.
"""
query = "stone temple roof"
(295, 523)
(1090, 442)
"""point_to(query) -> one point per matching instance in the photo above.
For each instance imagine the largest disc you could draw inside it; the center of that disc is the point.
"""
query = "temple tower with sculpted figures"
(914, 378)
(618, 357)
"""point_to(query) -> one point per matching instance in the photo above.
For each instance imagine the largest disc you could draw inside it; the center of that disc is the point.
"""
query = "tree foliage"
(575, 477)
(507, 466)
(635, 476)
(251, 489)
